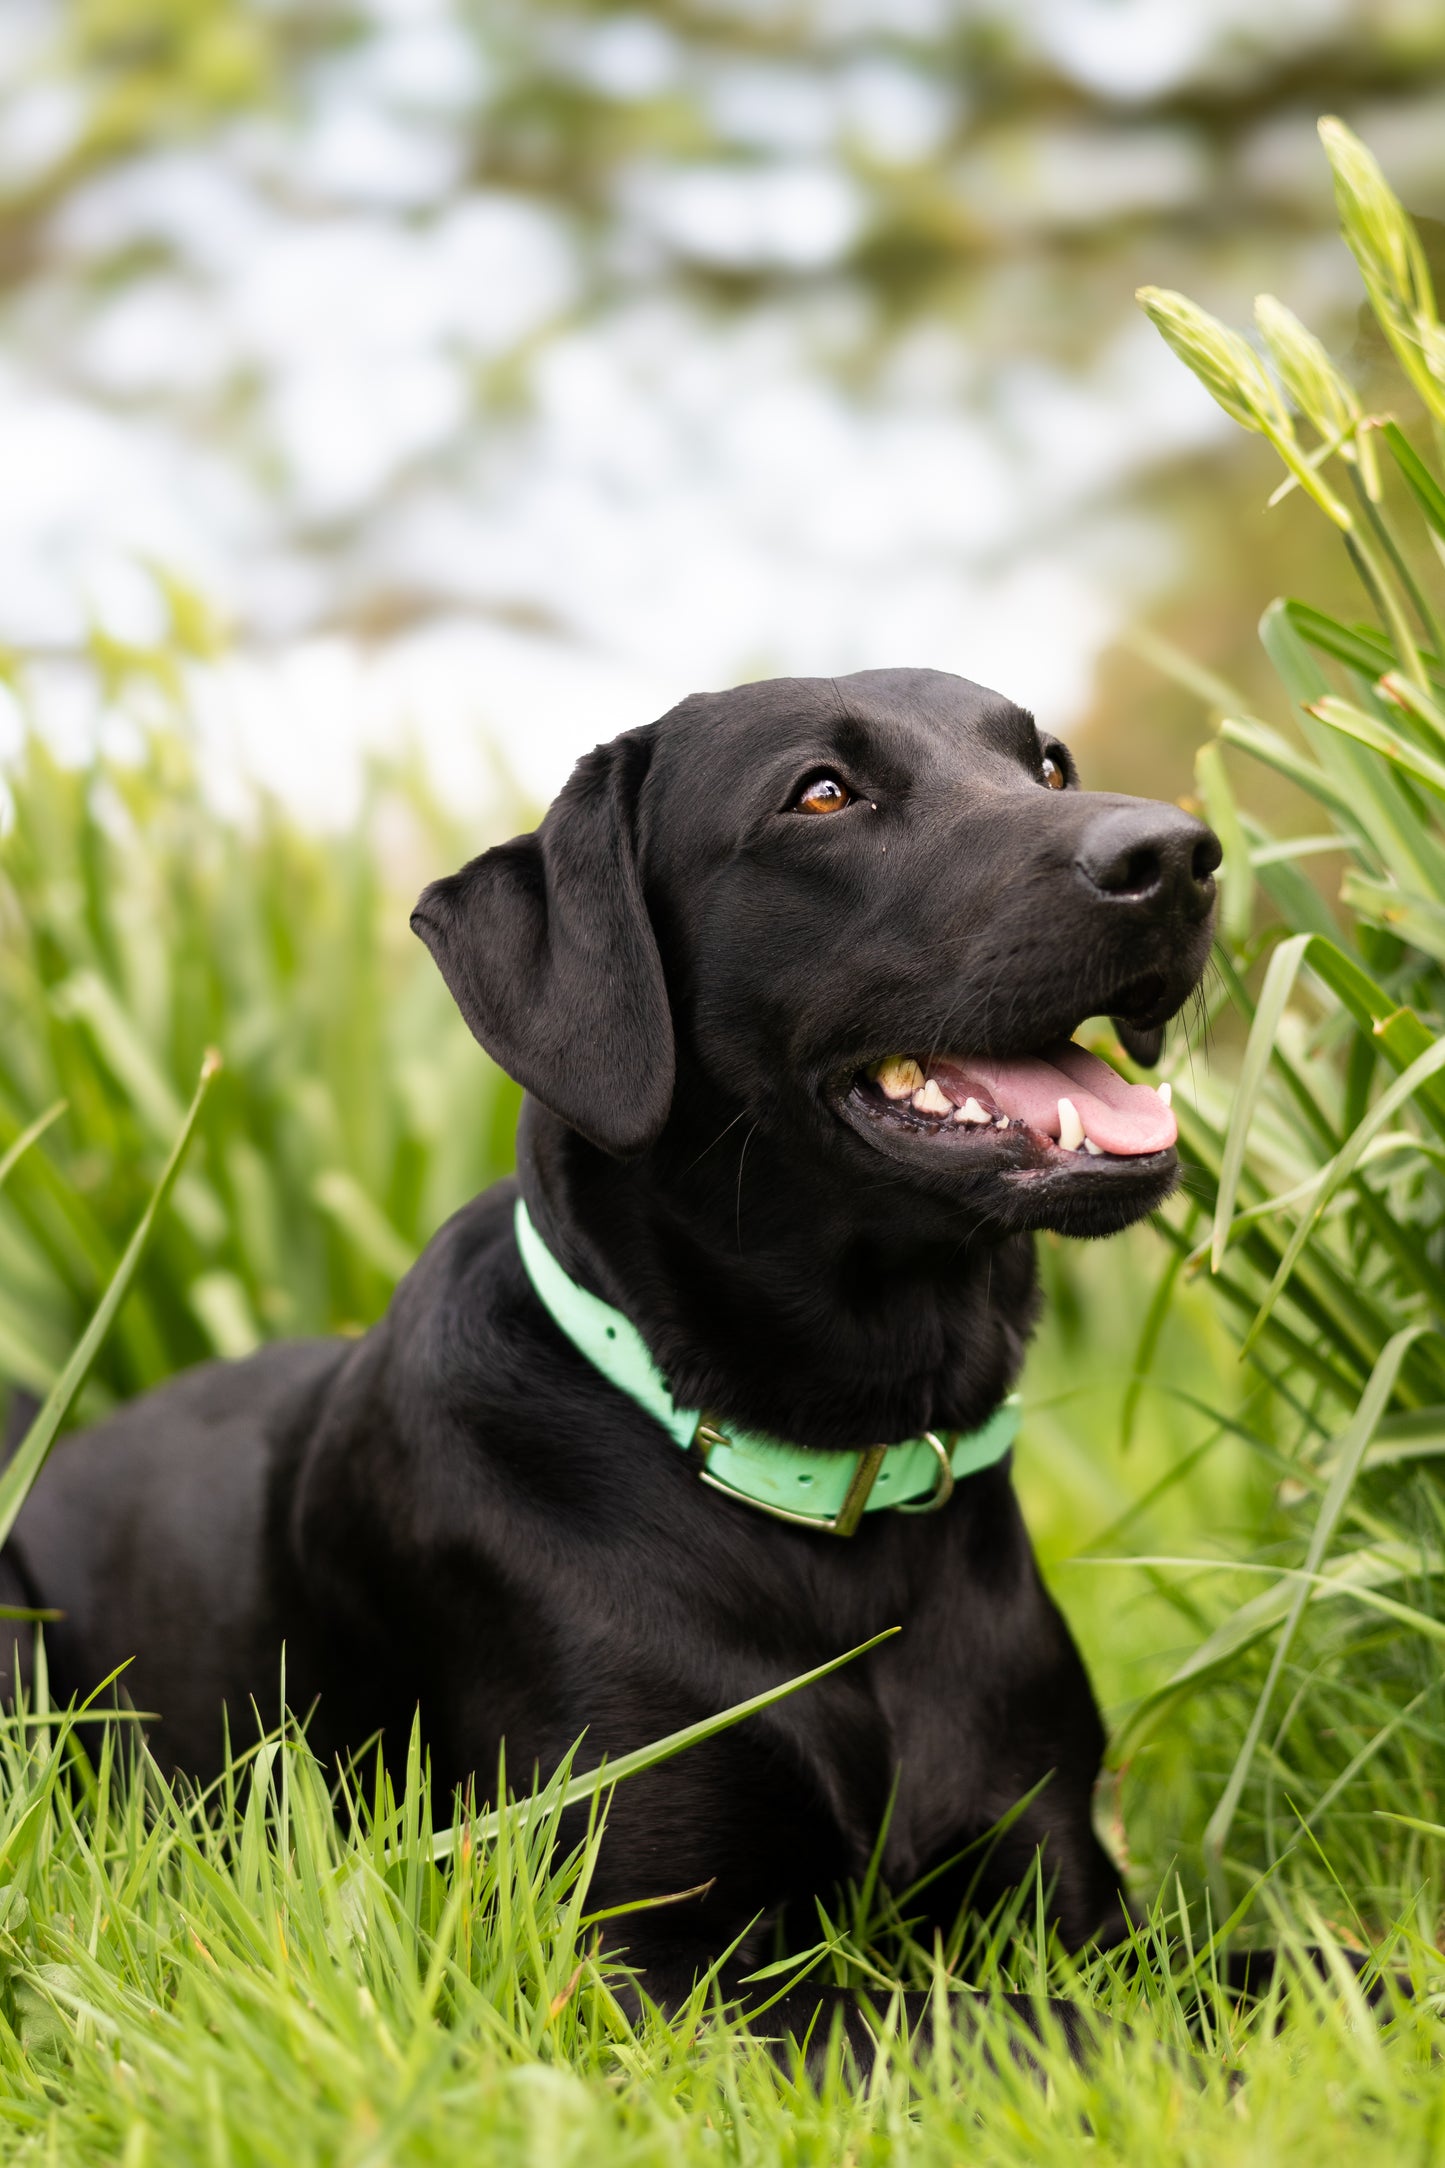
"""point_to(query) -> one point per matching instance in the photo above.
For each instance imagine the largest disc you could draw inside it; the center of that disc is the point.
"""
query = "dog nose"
(1150, 853)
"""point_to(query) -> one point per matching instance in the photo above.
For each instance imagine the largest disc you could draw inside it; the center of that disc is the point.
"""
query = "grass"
(258, 1977)
(1323, 1176)
(1249, 1550)
(137, 928)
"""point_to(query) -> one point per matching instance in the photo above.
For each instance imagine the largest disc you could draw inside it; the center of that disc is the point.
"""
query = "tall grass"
(137, 928)
(1321, 1179)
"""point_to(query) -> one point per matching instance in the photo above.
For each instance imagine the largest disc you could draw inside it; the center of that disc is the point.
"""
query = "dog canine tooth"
(932, 1099)
(971, 1112)
(1165, 1091)
(898, 1077)
(1096, 1151)
(1071, 1129)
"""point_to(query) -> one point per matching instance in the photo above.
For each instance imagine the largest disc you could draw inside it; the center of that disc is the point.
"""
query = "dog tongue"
(1118, 1117)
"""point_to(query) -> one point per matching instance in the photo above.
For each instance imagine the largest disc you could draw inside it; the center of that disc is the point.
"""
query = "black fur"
(457, 1512)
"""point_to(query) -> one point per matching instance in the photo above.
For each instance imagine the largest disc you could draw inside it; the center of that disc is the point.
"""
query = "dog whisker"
(702, 1155)
(738, 1215)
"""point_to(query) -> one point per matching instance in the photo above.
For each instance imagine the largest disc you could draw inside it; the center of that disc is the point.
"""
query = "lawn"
(1233, 1426)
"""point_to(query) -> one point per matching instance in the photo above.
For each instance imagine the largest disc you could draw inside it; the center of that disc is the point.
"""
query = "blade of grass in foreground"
(30, 1454)
(607, 1773)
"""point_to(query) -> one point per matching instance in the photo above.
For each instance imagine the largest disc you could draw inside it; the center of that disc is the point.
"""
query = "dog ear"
(548, 950)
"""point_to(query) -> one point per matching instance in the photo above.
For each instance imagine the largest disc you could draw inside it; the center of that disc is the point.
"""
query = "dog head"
(869, 912)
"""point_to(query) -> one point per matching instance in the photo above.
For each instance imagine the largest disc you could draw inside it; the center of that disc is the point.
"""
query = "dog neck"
(770, 1294)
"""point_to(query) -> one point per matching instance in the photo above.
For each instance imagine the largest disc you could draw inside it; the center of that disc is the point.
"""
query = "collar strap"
(827, 1491)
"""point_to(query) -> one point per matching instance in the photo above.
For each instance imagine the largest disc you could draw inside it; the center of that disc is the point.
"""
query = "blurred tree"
(759, 335)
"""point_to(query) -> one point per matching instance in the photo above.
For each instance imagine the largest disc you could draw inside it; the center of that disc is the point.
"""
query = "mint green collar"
(827, 1491)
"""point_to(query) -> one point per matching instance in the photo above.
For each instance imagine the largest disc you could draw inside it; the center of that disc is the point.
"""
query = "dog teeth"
(932, 1099)
(1095, 1151)
(1071, 1129)
(1002, 1122)
(1165, 1091)
(972, 1113)
(898, 1077)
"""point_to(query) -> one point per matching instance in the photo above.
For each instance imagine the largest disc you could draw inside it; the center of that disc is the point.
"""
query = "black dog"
(714, 967)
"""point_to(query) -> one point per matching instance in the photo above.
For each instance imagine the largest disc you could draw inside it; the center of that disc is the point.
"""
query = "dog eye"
(825, 794)
(1053, 774)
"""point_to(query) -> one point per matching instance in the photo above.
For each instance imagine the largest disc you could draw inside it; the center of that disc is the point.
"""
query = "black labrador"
(789, 977)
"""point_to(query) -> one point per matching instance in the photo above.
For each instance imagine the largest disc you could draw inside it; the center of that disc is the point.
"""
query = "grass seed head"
(1380, 236)
(1306, 371)
(1225, 364)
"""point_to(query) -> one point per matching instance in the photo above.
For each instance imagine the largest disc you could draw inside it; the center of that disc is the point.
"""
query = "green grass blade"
(85, 998)
(1373, 798)
(362, 1222)
(1147, 1343)
(1236, 875)
(29, 1457)
(1401, 1035)
(1418, 1435)
(1402, 692)
(607, 1773)
(1352, 722)
(1276, 752)
(1351, 1576)
(1411, 1821)
(1340, 1170)
(1349, 1455)
(1274, 995)
(1278, 870)
(1420, 482)
(1359, 647)
(1416, 919)
(1399, 1032)
(27, 1137)
(1408, 1615)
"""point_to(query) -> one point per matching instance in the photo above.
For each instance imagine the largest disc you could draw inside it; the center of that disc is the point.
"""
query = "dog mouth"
(1059, 1111)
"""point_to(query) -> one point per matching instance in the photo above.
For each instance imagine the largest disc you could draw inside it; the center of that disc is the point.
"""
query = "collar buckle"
(710, 1434)
(942, 1489)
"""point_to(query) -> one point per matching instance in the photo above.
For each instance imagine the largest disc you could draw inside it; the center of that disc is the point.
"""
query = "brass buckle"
(842, 1523)
(942, 1489)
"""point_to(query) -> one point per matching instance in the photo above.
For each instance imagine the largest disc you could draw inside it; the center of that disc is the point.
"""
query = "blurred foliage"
(155, 67)
(987, 183)
(138, 927)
